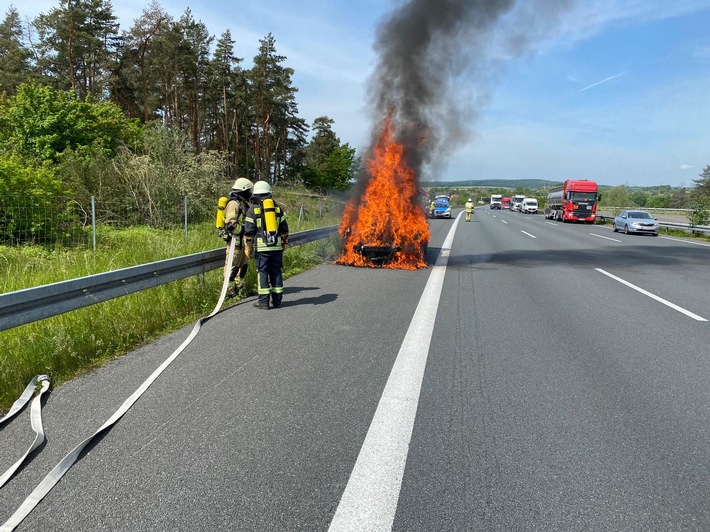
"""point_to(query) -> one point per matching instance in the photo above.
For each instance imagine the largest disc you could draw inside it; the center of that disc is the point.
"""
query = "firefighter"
(265, 226)
(234, 215)
(469, 209)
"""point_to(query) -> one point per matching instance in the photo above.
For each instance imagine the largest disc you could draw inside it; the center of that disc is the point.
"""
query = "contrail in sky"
(603, 81)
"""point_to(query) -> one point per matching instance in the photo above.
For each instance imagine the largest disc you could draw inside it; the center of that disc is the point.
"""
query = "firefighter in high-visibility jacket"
(469, 209)
(266, 229)
(235, 213)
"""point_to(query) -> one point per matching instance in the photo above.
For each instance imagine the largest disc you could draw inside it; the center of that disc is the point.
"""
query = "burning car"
(386, 225)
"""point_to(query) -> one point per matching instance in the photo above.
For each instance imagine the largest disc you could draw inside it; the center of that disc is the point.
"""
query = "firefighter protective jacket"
(235, 215)
(255, 227)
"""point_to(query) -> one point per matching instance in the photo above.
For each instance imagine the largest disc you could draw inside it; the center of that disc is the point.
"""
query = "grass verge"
(73, 343)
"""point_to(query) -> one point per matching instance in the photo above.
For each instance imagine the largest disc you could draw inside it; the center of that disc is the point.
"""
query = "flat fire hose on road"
(68, 461)
(35, 419)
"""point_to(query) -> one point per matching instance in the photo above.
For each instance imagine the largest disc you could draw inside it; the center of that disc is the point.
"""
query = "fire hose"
(35, 419)
(68, 461)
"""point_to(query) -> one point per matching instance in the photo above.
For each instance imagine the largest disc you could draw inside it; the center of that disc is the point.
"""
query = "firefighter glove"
(284, 241)
(248, 249)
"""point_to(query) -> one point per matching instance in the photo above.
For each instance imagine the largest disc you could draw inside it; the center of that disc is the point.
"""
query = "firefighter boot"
(233, 291)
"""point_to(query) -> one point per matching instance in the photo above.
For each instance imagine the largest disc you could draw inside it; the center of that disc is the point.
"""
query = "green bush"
(27, 194)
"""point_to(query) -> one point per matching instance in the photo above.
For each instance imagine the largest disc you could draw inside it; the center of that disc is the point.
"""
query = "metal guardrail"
(648, 209)
(33, 304)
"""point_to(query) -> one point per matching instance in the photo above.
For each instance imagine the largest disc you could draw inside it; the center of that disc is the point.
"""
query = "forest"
(146, 115)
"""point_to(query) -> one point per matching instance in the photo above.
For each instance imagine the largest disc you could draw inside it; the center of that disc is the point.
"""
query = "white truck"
(496, 201)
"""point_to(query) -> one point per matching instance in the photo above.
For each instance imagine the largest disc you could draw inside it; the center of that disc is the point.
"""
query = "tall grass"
(67, 345)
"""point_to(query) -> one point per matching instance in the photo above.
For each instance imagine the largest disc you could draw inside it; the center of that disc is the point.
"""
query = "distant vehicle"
(441, 207)
(516, 202)
(505, 203)
(496, 201)
(636, 222)
(529, 206)
(574, 201)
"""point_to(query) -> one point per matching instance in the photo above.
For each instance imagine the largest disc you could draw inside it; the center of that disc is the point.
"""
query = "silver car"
(636, 222)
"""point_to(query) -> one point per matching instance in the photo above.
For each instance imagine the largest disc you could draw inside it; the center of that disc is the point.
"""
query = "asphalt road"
(551, 396)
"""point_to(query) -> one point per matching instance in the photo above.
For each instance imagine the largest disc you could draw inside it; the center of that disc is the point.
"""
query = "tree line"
(146, 114)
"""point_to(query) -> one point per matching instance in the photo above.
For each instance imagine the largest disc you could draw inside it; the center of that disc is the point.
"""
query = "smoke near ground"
(425, 47)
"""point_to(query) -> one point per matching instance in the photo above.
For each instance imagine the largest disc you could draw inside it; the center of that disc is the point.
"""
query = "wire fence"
(70, 221)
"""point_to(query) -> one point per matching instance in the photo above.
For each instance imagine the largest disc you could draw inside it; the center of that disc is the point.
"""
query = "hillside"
(534, 184)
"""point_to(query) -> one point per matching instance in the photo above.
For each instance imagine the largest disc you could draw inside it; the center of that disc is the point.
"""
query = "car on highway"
(440, 207)
(633, 221)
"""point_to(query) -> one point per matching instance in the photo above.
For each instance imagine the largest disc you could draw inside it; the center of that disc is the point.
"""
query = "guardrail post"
(185, 209)
(93, 221)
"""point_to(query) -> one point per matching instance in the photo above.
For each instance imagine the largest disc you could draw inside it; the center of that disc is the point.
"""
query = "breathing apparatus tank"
(270, 215)
(221, 205)
(271, 226)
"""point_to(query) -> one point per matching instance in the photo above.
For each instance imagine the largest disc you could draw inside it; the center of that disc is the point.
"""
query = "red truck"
(574, 201)
(505, 203)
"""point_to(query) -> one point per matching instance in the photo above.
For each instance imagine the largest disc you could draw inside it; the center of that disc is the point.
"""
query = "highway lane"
(542, 409)
(543, 405)
(672, 267)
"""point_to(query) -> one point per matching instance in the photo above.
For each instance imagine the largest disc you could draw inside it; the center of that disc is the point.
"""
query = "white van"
(529, 206)
(516, 203)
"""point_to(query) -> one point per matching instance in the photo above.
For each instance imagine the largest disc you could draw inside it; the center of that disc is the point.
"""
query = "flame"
(389, 212)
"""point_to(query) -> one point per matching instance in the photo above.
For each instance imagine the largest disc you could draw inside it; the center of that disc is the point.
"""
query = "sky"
(617, 91)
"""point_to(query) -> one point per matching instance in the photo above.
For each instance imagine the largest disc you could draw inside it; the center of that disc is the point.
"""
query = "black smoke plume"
(424, 46)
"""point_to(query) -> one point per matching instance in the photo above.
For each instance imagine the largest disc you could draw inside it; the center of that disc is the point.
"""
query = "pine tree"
(137, 86)
(193, 66)
(272, 97)
(328, 164)
(77, 46)
(14, 55)
(702, 185)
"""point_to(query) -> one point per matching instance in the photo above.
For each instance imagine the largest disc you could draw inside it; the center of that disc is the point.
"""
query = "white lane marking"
(369, 501)
(531, 236)
(604, 237)
(684, 241)
(550, 223)
(653, 296)
(504, 221)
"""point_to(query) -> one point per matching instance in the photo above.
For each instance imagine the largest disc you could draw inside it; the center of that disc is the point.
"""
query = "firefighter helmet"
(470, 200)
(243, 188)
(262, 188)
